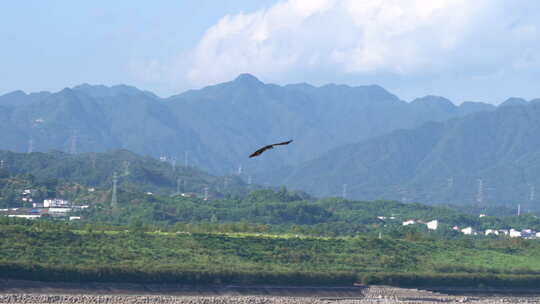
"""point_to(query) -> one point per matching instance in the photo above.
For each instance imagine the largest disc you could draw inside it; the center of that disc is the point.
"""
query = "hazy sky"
(484, 50)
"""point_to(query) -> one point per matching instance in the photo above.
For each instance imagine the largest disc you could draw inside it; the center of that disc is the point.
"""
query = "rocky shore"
(372, 294)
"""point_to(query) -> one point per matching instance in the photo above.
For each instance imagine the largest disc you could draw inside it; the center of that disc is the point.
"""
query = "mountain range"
(216, 127)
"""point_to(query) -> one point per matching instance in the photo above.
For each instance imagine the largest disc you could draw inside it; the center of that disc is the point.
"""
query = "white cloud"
(365, 37)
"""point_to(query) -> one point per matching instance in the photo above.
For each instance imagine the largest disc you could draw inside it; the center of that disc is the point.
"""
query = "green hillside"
(51, 172)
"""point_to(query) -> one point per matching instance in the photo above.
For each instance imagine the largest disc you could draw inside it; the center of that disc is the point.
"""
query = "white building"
(71, 218)
(492, 231)
(468, 230)
(59, 210)
(432, 225)
(409, 222)
(515, 233)
(55, 202)
(26, 216)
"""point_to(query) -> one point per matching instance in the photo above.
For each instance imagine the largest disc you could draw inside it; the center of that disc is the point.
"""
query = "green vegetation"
(61, 251)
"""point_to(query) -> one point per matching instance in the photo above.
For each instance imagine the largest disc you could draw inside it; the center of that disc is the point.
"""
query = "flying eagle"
(261, 150)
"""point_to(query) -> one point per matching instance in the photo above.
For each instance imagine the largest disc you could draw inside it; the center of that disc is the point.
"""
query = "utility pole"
(114, 201)
(519, 210)
(480, 192)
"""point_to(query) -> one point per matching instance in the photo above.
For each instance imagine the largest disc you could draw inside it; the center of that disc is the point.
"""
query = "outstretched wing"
(283, 143)
(261, 150)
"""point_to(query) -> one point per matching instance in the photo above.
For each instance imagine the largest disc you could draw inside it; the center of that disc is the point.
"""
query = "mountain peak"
(247, 78)
(514, 101)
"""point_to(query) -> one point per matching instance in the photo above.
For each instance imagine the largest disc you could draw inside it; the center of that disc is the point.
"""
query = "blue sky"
(484, 50)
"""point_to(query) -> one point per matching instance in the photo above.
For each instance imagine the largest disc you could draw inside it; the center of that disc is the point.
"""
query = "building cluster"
(525, 233)
(53, 207)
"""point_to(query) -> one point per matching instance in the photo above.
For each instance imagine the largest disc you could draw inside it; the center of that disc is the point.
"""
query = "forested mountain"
(217, 127)
(485, 158)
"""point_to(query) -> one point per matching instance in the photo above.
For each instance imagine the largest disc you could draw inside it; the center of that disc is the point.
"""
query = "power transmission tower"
(173, 163)
(450, 182)
(344, 191)
(73, 143)
(30, 146)
(186, 163)
(205, 193)
(178, 186)
(114, 201)
(519, 210)
(125, 163)
(532, 192)
(480, 192)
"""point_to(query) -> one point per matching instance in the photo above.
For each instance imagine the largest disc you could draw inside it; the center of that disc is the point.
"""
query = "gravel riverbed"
(372, 294)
